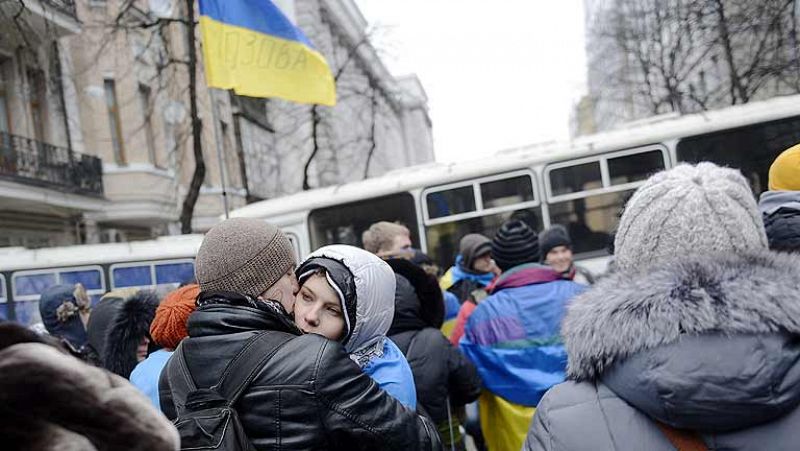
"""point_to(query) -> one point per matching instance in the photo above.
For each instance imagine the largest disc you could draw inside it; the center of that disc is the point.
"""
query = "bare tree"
(131, 19)
(760, 44)
(658, 56)
(364, 89)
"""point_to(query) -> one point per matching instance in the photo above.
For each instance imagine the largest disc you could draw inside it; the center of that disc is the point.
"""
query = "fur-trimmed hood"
(627, 313)
(706, 344)
(418, 300)
(129, 325)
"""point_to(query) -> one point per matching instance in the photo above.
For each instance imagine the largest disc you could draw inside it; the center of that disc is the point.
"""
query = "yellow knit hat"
(784, 174)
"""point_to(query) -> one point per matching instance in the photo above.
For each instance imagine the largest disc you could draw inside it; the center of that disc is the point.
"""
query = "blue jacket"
(513, 336)
(393, 374)
(145, 375)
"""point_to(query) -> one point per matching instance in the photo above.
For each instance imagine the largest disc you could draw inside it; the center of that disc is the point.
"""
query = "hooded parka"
(709, 344)
(367, 285)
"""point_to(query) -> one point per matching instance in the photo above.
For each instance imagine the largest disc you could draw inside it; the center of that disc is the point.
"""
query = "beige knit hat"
(243, 255)
(689, 211)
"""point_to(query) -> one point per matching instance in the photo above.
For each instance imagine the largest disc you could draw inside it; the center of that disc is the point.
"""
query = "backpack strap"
(180, 380)
(241, 371)
(682, 440)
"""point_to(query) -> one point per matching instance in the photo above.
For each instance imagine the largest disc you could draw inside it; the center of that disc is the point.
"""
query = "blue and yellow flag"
(251, 47)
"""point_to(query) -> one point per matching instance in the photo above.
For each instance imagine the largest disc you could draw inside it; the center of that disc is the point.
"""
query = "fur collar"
(630, 312)
(128, 327)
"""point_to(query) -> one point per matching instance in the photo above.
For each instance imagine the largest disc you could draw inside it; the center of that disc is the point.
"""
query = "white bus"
(156, 264)
(161, 264)
(581, 184)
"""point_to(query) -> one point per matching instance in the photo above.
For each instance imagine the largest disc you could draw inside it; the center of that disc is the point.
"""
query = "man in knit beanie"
(512, 336)
(248, 257)
(167, 330)
(692, 341)
(305, 383)
(780, 206)
(556, 247)
(515, 244)
(465, 283)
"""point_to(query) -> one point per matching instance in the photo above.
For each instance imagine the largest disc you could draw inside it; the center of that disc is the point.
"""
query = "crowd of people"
(691, 341)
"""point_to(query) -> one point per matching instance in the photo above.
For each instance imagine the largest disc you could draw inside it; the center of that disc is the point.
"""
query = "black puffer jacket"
(309, 396)
(781, 213)
(439, 369)
(783, 229)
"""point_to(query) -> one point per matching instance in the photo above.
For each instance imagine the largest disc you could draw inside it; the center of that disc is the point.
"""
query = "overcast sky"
(498, 74)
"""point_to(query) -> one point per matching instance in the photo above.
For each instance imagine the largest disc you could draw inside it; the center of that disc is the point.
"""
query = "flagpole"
(218, 139)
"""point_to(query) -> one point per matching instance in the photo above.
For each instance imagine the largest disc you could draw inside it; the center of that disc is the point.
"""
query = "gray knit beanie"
(471, 247)
(243, 255)
(688, 211)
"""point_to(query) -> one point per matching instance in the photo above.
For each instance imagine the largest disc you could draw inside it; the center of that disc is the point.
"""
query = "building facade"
(96, 126)
(48, 181)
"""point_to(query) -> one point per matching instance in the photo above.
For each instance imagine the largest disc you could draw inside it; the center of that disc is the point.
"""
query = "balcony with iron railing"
(28, 161)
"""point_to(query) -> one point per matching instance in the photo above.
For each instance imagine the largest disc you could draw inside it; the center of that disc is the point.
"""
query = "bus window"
(91, 279)
(587, 198)
(576, 178)
(443, 239)
(3, 298)
(344, 224)
(131, 276)
(174, 273)
(500, 197)
(750, 149)
(634, 168)
(450, 202)
(27, 287)
(510, 191)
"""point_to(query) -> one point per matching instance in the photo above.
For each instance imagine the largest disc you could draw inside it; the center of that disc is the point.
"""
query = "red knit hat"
(169, 326)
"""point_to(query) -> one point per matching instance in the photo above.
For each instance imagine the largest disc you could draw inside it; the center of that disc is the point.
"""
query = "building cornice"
(45, 196)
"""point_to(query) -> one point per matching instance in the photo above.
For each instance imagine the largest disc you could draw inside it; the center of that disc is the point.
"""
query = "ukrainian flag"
(251, 47)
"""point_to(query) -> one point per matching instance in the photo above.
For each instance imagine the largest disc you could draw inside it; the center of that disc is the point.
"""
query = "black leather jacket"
(309, 396)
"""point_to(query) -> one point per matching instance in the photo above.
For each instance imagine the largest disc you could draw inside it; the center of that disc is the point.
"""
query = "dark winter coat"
(309, 396)
(709, 345)
(50, 400)
(60, 307)
(783, 229)
(440, 370)
(781, 213)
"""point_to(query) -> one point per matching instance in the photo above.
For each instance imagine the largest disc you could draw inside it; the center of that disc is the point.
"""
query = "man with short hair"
(386, 238)
(309, 395)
